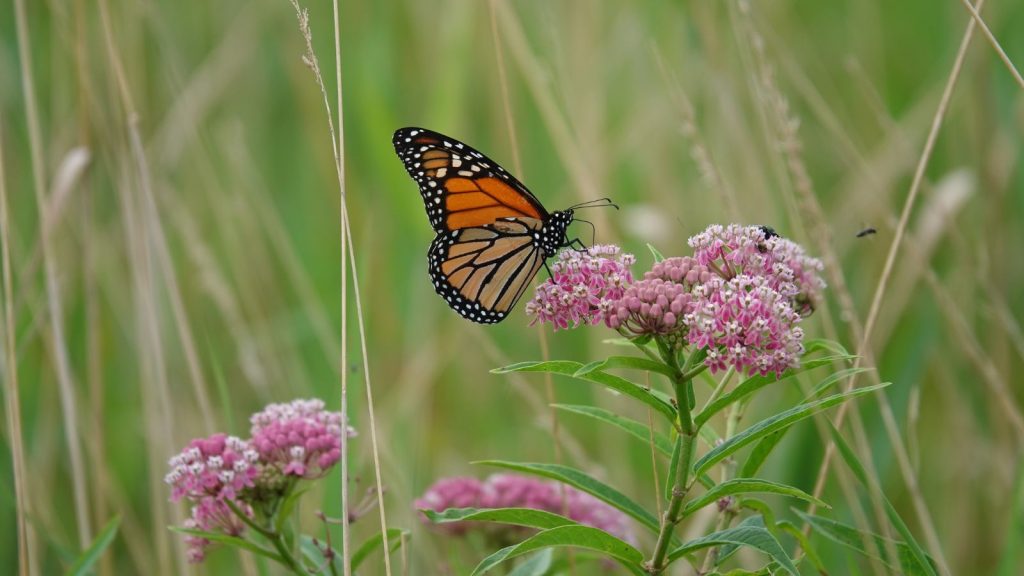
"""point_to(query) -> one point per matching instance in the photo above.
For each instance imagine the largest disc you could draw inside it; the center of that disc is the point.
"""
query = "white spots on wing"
(465, 173)
(441, 172)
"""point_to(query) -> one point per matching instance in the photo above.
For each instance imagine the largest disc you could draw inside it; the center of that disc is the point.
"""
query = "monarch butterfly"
(493, 235)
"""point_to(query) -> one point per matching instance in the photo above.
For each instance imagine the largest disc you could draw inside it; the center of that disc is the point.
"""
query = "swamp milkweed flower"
(583, 284)
(298, 439)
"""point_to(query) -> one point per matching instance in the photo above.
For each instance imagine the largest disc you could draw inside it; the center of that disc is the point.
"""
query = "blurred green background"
(206, 263)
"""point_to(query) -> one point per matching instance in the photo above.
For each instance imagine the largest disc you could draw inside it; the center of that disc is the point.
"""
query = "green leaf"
(815, 344)
(747, 486)
(637, 429)
(84, 563)
(775, 424)
(858, 470)
(584, 482)
(836, 377)
(235, 541)
(854, 539)
(755, 383)
(536, 566)
(657, 400)
(631, 362)
(757, 521)
(654, 252)
(530, 517)
(371, 544)
(285, 511)
(805, 544)
(577, 536)
(760, 453)
(751, 536)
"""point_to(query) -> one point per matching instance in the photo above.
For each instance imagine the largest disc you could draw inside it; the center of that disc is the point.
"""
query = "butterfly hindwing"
(461, 187)
(481, 272)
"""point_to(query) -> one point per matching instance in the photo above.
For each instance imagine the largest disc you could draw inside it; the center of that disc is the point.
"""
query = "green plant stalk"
(685, 443)
(276, 538)
(728, 471)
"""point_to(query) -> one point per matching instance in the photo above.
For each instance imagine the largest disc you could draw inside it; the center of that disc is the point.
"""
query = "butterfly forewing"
(461, 187)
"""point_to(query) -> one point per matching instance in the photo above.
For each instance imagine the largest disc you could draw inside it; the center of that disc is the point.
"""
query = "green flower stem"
(275, 538)
(728, 472)
(684, 443)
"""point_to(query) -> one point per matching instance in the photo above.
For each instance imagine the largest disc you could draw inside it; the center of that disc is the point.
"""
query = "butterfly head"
(553, 234)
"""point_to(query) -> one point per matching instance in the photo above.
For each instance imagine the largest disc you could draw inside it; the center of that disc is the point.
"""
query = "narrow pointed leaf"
(536, 566)
(518, 516)
(776, 423)
(760, 453)
(631, 362)
(584, 482)
(636, 429)
(836, 376)
(858, 469)
(576, 536)
(654, 252)
(657, 400)
(371, 544)
(747, 486)
(854, 539)
(755, 383)
(750, 536)
(85, 562)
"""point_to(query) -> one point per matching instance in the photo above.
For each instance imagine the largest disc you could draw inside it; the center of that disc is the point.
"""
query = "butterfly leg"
(577, 242)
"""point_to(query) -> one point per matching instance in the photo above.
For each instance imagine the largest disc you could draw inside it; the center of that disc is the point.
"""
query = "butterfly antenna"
(600, 202)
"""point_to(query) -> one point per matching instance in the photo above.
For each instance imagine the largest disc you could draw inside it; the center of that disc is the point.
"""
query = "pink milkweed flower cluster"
(659, 303)
(515, 491)
(582, 286)
(297, 440)
(740, 296)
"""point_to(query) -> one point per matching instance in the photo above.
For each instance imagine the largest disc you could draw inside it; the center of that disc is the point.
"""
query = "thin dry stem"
(69, 402)
(992, 40)
(12, 406)
(791, 147)
(337, 142)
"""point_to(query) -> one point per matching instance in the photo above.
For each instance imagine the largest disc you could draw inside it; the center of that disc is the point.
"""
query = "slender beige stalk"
(160, 418)
(337, 142)
(992, 40)
(339, 158)
(12, 406)
(880, 290)
(65, 379)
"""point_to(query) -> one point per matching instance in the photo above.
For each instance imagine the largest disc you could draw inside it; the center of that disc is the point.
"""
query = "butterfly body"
(493, 235)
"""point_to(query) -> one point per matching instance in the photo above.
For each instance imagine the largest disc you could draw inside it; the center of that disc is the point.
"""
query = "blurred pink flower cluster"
(740, 296)
(515, 491)
(297, 440)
